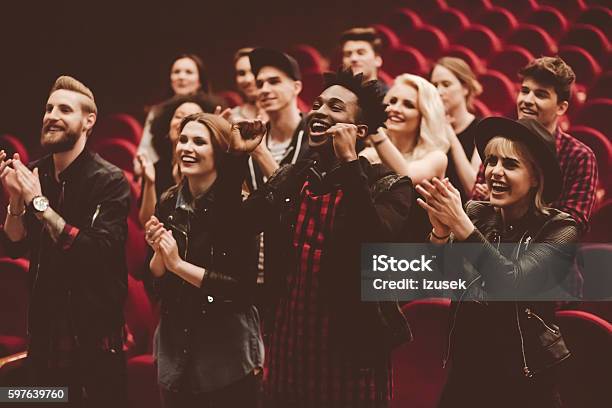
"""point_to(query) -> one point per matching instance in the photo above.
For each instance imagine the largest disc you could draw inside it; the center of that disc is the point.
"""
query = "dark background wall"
(122, 50)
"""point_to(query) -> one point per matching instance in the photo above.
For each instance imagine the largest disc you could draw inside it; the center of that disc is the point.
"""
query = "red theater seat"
(520, 8)
(418, 376)
(143, 390)
(451, 21)
(388, 36)
(403, 22)
(481, 110)
(596, 113)
(597, 16)
(14, 298)
(232, 98)
(473, 60)
(591, 38)
(498, 19)
(499, 93)
(470, 7)
(117, 126)
(510, 60)
(569, 8)
(312, 86)
(600, 222)
(481, 40)
(585, 67)
(601, 88)
(431, 41)
(550, 19)
(11, 144)
(404, 60)
(120, 152)
(534, 39)
(602, 147)
(584, 378)
(308, 58)
(593, 260)
(426, 8)
(140, 317)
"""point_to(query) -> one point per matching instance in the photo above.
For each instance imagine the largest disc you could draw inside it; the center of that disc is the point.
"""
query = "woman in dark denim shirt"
(208, 344)
(502, 353)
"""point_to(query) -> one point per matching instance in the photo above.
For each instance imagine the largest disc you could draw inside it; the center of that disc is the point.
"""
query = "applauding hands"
(163, 243)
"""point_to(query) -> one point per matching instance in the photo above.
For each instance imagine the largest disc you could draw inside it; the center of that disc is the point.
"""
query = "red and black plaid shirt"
(579, 176)
(302, 369)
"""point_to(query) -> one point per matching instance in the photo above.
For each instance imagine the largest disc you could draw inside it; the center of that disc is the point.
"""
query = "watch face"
(40, 203)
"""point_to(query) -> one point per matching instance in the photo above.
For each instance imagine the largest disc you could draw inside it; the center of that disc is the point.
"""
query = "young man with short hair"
(278, 82)
(326, 347)
(361, 52)
(544, 95)
(69, 211)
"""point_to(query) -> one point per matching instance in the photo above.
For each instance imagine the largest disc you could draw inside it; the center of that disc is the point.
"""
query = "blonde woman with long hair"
(416, 138)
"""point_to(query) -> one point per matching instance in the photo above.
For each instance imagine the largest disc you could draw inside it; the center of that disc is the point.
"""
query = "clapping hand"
(246, 135)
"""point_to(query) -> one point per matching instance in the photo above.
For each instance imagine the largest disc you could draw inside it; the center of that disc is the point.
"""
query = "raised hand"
(246, 135)
(148, 168)
(9, 176)
(444, 202)
(344, 137)
(224, 113)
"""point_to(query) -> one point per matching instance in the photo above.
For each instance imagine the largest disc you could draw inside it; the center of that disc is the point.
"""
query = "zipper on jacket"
(450, 333)
(95, 215)
(531, 314)
(526, 371)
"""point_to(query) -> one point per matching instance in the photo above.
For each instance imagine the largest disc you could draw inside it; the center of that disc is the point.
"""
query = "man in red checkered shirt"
(326, 347)
(544, 95)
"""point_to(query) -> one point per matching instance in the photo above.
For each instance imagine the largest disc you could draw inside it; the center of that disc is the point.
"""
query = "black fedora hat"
(266, 57)
(535, 137)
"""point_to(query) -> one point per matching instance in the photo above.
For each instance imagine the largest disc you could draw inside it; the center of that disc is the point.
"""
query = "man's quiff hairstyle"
(369, 96)
(68, 83)
(367, 34)
(551, 71)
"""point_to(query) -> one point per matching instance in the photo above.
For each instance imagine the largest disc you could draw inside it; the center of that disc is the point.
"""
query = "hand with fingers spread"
(148, 168)
(344, 139)
(169, 249)
(246, 135)
(9, 176)
(443, 202)
(28, 181)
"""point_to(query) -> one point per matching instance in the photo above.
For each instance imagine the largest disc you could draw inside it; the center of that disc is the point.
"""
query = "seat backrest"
(451, 21)
(417, 366)
(589, 37)
(117, 126)
(534, 39)
(520, 8)
(11, 144)
(119, 152)
(405, 59)
(502, 21)
(550, 19)
(232, 98)
(584, 379)
(597, 16)
(510, 60)
(431, 41)
(586, 68)
(480, 39)
(14, 296)
(499, 93)
(600, 222)
(466, 54)
(403, 22)
(309, 59)
(596, 113)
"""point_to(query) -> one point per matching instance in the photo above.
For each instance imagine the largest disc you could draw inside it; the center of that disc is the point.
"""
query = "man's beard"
(52, 144)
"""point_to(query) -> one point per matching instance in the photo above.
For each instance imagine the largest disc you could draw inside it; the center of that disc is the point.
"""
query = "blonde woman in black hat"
(208, 344)
(504, 353)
